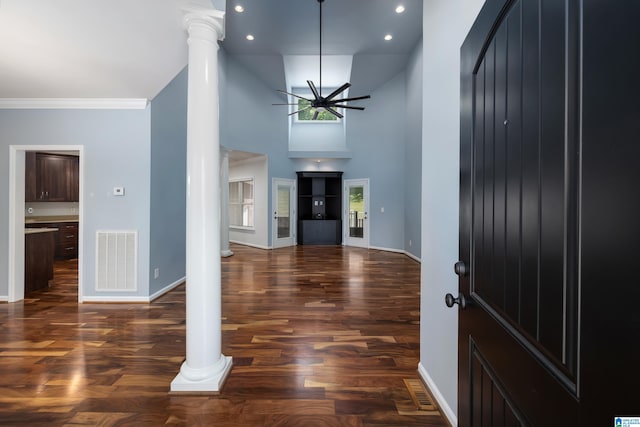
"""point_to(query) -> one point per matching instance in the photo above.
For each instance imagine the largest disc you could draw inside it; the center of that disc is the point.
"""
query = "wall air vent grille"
(116, 260)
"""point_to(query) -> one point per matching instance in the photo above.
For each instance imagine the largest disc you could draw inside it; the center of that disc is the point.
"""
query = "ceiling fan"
(325, 103)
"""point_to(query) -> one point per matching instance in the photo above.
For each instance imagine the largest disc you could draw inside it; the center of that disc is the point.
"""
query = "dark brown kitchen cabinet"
(73, 172)
(38, 260)
(30, 190)
(66, 238)
(51, 178)
(67, 241)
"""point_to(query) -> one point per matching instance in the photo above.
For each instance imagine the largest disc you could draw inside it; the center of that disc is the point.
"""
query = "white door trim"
(291, 240)
(16, 216)
(356, 241)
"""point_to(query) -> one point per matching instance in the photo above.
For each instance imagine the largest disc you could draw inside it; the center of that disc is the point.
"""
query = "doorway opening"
(18, 212)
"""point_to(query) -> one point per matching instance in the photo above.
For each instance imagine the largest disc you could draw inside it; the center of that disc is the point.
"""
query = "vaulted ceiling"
(133, 48)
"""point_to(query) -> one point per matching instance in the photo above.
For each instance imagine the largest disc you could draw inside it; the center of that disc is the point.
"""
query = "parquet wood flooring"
(320, 336)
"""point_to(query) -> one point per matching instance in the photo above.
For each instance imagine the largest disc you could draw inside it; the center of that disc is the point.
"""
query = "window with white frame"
(306, 113)
(241, 203)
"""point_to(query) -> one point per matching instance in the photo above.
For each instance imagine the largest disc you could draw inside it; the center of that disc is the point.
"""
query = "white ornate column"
(224, 204)
(205, 367)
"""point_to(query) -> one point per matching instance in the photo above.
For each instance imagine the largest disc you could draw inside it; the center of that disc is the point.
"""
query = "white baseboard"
(167, 288)
(435, 392)
(115, 299)
(4, 298)
(125, 299)
(413, 257)
(398, 251)
(250, 244)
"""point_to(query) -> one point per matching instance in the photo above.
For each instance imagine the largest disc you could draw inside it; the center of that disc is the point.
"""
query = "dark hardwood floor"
(320, 336)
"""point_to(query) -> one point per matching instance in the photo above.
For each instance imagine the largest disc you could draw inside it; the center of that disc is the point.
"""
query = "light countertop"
(39, 230)
(50, 219)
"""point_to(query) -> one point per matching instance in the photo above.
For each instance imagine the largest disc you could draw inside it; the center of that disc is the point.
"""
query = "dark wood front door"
(549, 202)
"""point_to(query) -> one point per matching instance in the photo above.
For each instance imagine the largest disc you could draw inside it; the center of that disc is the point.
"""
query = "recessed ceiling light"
(250, 37)
(388, 37)
(400, 9)
(240, 9)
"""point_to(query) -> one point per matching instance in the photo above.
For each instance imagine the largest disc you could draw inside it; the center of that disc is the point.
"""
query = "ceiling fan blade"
(334, 112)
(292, 94)
(302, 109)
(355, 98)
(313, 89)
(337, 91)
(315, 115)
(286, 104)
(350, 107)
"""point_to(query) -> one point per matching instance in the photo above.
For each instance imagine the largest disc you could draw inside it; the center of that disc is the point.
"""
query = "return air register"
(116, 261)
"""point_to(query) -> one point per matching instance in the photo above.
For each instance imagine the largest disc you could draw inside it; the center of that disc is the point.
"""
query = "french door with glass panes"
(356, 215)
(284, 195)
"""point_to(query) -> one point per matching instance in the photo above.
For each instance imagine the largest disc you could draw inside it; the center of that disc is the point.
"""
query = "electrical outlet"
(156, 273)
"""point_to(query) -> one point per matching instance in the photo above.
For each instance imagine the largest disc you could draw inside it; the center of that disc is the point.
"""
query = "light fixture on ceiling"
(388, 37)
(250, 37)
(400, 9)
(240, 9)
(328, 103)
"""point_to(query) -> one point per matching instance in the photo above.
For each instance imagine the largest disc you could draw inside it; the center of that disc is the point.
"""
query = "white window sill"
(241, 228)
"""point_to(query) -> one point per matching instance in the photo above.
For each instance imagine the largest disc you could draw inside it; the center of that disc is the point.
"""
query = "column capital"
(204, 23)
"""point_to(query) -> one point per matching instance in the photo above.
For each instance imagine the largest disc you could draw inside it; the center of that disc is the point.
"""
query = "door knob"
(450, 301)
(460, 268)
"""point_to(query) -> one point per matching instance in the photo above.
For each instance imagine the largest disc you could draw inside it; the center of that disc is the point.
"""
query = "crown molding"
(73, 103)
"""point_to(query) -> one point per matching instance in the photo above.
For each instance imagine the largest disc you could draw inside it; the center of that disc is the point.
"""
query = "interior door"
(283, 212)
(545, 217)
(356, 202)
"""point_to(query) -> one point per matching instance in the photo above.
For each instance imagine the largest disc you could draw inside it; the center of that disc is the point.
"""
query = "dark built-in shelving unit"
(319, 208)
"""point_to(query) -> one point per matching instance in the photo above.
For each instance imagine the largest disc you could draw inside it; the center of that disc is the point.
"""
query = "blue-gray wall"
(116, 154)
(376, 137)
(445, 25)
(167, 234)
(250, 123)
(413, 154)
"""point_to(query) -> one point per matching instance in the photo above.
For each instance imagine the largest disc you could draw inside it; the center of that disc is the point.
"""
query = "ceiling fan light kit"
(325, 103)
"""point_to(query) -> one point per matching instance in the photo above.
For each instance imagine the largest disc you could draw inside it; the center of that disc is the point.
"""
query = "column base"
(209, 385)
(226, 253)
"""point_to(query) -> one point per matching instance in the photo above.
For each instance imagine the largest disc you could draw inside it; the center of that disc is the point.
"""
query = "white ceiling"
(133, 48)
(89, 48)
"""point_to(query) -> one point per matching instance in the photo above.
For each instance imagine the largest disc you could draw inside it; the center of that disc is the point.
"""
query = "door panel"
(540, 312)
(491, 406)
(519, 176)
(546, 131)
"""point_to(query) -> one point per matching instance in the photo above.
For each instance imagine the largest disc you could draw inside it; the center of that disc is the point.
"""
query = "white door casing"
(16, 216)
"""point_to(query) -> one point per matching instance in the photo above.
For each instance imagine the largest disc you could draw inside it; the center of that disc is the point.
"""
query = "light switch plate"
(118, 191)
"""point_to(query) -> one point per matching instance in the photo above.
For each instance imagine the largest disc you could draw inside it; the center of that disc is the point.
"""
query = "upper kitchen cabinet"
(51, 178)
(74, 179)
